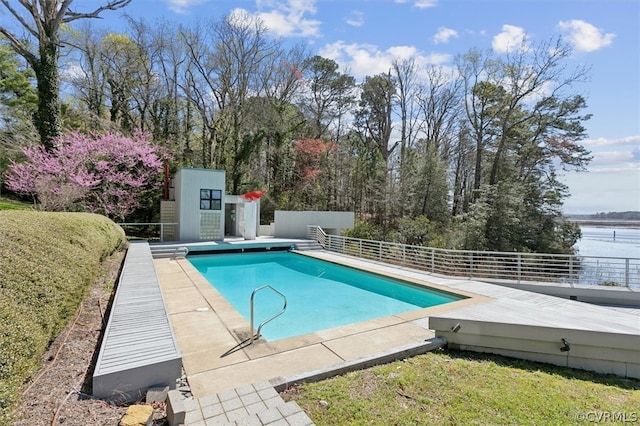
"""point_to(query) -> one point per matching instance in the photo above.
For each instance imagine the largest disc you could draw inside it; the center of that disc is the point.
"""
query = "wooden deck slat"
(139, 348)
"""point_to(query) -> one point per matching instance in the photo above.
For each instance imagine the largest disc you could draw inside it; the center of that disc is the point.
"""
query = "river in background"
(609, 242)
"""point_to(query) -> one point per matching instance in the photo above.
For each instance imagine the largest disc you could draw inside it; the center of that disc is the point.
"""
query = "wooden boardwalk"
(139, 349)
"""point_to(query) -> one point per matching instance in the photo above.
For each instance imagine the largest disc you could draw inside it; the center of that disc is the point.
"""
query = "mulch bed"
(60, 393)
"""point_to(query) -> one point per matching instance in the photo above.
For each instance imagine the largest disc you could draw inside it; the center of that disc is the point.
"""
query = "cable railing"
(491, 265)
(151, 230)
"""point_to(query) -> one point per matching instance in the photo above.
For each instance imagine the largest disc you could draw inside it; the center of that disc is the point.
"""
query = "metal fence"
(519, 267)
(150, 231)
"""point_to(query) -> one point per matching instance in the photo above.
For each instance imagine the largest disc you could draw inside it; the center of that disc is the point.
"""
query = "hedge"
(48, 261)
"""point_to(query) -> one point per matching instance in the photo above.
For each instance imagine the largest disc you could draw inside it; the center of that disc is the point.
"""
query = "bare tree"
(439, 102)
(481, 102)
(405, 73)
(41, 20)
(90, 83)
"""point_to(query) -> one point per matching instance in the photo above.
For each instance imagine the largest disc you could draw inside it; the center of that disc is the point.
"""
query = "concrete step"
(308, 245)
(159, 251)
(163, 252)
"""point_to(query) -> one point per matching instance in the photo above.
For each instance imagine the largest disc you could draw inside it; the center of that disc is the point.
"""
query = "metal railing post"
(626, 272)
(519, 267)
(570, 268)
(404, 255)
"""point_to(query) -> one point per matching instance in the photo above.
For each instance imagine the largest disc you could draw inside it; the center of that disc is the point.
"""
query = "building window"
(210, 199)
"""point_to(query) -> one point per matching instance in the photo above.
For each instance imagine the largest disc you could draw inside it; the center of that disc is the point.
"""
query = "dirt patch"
(60, 394)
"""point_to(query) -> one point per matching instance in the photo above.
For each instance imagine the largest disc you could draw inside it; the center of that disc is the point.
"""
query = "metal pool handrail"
(284, 308)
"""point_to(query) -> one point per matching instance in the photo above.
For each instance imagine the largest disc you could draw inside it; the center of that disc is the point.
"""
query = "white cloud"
(444, 34)
(402, 52)
(73, 71)
(420, 4)
(355, 19)
(619, 155)
(423, 4)
(182, 6)
(511, 38)
(600, 142)
(288, 18)
(620, 158)
(366, 60)
(584, 36)
(438, 58)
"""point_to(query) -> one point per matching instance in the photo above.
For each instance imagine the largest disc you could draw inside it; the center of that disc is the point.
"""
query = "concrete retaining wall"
(293, 224)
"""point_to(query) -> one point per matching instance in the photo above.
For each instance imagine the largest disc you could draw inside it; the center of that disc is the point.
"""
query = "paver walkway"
(258, 404)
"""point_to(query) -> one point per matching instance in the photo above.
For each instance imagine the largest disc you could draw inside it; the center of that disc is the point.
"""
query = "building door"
(230, 223)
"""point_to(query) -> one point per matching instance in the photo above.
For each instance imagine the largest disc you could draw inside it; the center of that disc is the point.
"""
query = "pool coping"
(496, 319)
(210, 334)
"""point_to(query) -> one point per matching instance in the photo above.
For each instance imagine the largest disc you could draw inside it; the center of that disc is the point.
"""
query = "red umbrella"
(253, 195)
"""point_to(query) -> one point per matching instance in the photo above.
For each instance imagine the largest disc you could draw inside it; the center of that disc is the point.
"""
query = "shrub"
(611, 284)
(107, 174)
(47, 263)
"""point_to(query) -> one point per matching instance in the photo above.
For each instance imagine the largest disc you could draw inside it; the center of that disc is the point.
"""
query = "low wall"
(599, 295)
(293, 224)
(602, 352)
(266, 230)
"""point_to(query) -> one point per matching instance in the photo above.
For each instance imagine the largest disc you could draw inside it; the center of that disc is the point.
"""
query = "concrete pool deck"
(209, 331)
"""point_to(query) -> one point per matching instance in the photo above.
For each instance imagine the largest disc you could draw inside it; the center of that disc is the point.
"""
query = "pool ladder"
(256, 336)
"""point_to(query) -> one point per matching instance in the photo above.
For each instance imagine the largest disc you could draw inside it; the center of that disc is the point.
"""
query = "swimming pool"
(320, 295)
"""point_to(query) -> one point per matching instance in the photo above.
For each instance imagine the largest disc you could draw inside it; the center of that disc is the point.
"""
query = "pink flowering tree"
(106, 174)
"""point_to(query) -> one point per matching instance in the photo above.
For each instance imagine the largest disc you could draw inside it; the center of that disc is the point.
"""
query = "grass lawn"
(465, 388)
(6, 204)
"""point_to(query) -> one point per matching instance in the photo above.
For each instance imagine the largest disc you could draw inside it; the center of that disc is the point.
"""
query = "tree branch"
(19, 47)
(18, 17)
(64, 9)
(112, 5)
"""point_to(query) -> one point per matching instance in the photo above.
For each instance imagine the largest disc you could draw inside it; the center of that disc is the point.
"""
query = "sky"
(365, 36)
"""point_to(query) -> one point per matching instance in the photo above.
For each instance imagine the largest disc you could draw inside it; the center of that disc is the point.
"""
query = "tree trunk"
(48, 118)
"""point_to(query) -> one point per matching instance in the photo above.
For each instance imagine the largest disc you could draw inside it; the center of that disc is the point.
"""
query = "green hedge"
(47, 263)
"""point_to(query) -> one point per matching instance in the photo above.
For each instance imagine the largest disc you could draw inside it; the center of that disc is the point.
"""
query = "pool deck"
(210, 332)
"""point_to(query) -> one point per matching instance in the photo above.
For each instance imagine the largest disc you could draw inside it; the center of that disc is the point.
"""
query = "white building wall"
(238, 228)
(196, 224)
(293, 224)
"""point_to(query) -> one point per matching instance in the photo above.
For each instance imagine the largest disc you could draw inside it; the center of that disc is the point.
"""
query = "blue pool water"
(320, 294)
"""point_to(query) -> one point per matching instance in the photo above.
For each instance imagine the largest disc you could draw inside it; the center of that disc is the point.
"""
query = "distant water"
(609, 242)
